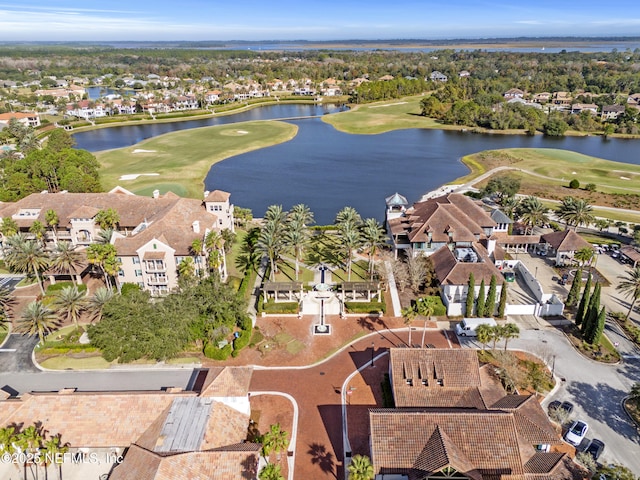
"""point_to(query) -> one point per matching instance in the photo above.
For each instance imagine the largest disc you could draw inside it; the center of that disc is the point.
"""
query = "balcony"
(158, 280)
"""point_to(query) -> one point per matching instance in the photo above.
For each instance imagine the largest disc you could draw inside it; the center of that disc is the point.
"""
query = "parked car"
(595, 448)
(564, 279)
(509, 276)
(576, 433)
(567, 407)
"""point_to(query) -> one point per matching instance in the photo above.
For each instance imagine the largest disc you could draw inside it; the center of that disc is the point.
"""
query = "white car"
(576, 433)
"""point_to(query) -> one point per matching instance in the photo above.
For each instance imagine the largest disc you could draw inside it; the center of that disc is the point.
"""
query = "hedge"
(280, 307)
(241, 342)
(440, 310)
(365, 307)
(215, 353)
(56, 287)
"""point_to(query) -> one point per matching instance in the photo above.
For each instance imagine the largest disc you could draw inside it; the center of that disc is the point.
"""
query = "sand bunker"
(141, 150)
(241, 132)
(625, 178)
(387, 105)
(133, 176)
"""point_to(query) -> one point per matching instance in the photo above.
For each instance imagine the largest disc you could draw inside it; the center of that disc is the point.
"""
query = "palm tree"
(275, 440)
(534, 213)
(7, 437)
(509, 331)
(27, 256)
(348, 216)
(108, 218)
(270, 244)
(584, 255)
(54, 449)
(373, 237)
(187, 269)
(96, 303)
(51, 217)
(214, 245)
(70, 303)
(360, 468)
(575, 212)
(630, 287)
(37, 319)
(301, 214)
(104, 236)
(509, 206)
(484, 334)
(409, 314)
(297, 238)
(105, 257)
(425, 307)
(9, 227)
(271, 471)
(351, 240)
(66, 259)
(37, 229)
(6, 299)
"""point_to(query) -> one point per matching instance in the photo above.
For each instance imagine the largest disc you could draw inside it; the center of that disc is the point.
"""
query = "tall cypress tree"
(471, 287)
(503, 300)
(490, 303)
(572, 298)
(584, 302)
(481, 299)
(590, 319)
(596, 335)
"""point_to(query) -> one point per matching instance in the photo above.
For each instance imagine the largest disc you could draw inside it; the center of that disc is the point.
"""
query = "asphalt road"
(596, 390)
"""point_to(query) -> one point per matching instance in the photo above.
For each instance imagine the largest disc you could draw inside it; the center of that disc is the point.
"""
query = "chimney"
(196, 226)
(156, 193)
(206, 193)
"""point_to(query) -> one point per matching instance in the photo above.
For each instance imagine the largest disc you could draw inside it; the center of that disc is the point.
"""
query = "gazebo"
(565, 243)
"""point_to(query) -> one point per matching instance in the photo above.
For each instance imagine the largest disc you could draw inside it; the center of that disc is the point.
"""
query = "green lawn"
(385, 116)
(68, 363)
(558, 167)
(182, 159)
(287, 272)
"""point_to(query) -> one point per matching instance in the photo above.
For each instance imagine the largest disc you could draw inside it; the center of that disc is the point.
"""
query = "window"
(138, 273)
(136, 261)
(121, 273)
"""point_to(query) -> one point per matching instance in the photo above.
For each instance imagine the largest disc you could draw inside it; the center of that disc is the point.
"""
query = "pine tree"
(595, 337)
(490, 303)
(503, 300)
(572, 298)
(584, 302)
(481, 299)
(470, 295)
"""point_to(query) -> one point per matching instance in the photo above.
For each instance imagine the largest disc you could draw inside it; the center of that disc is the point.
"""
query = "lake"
(327, 169)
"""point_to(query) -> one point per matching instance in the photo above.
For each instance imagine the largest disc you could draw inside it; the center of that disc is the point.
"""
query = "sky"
(157, 20)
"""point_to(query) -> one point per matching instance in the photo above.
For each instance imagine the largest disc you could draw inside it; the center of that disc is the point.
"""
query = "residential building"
(577, 108)
(542, 97)
(513, 93)
(453, 419)
(437, 76)
(153, 236)
(562, 98)
(30, 119)
(612, 112)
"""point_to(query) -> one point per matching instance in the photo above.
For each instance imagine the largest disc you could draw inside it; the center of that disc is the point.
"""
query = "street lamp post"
(373, 346)
(553, 367)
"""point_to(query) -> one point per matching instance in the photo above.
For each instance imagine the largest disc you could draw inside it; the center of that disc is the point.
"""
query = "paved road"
(15, 355)
(597, 391)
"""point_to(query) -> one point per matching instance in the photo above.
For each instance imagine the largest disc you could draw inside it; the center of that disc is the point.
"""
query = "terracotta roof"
(84, 212)
(227, 382)
(91, 419)
(451, 217)
(484, 441)
(217, 196)
(565, 241)
(531, 420)
(543, 462)
(631, 252)
(17, 115)
(451, 272)
(232, 462)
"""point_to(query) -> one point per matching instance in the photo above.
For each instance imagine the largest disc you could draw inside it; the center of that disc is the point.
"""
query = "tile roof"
(484, 441)
(565, 241)
(232, 462)
(453, 214)
(217, 196)
(449, 271)
(531, 420)
(227, 382)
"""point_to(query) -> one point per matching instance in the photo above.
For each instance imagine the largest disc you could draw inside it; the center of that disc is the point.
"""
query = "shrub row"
(280, 307)
(365, 307)
(56, 287)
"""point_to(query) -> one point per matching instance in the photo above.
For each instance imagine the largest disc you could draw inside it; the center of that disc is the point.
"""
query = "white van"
(467, 327)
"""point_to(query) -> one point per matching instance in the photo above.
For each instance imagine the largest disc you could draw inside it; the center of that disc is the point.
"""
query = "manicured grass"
(182, 360)
(287, 272)
(385, 116)
(182, 159)
(558, 167)
(68, 363)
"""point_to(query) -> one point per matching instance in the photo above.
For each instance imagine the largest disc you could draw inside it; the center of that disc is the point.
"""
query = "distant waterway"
(327, 169)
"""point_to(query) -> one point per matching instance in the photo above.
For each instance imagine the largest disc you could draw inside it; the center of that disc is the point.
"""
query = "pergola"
(361, 290)
(631, 253)
(283, 291)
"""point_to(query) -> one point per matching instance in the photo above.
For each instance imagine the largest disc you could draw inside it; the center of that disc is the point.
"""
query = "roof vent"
(156, 193)
(196, 226)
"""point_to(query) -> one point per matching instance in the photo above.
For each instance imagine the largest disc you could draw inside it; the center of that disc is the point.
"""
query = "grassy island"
(179, 161)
